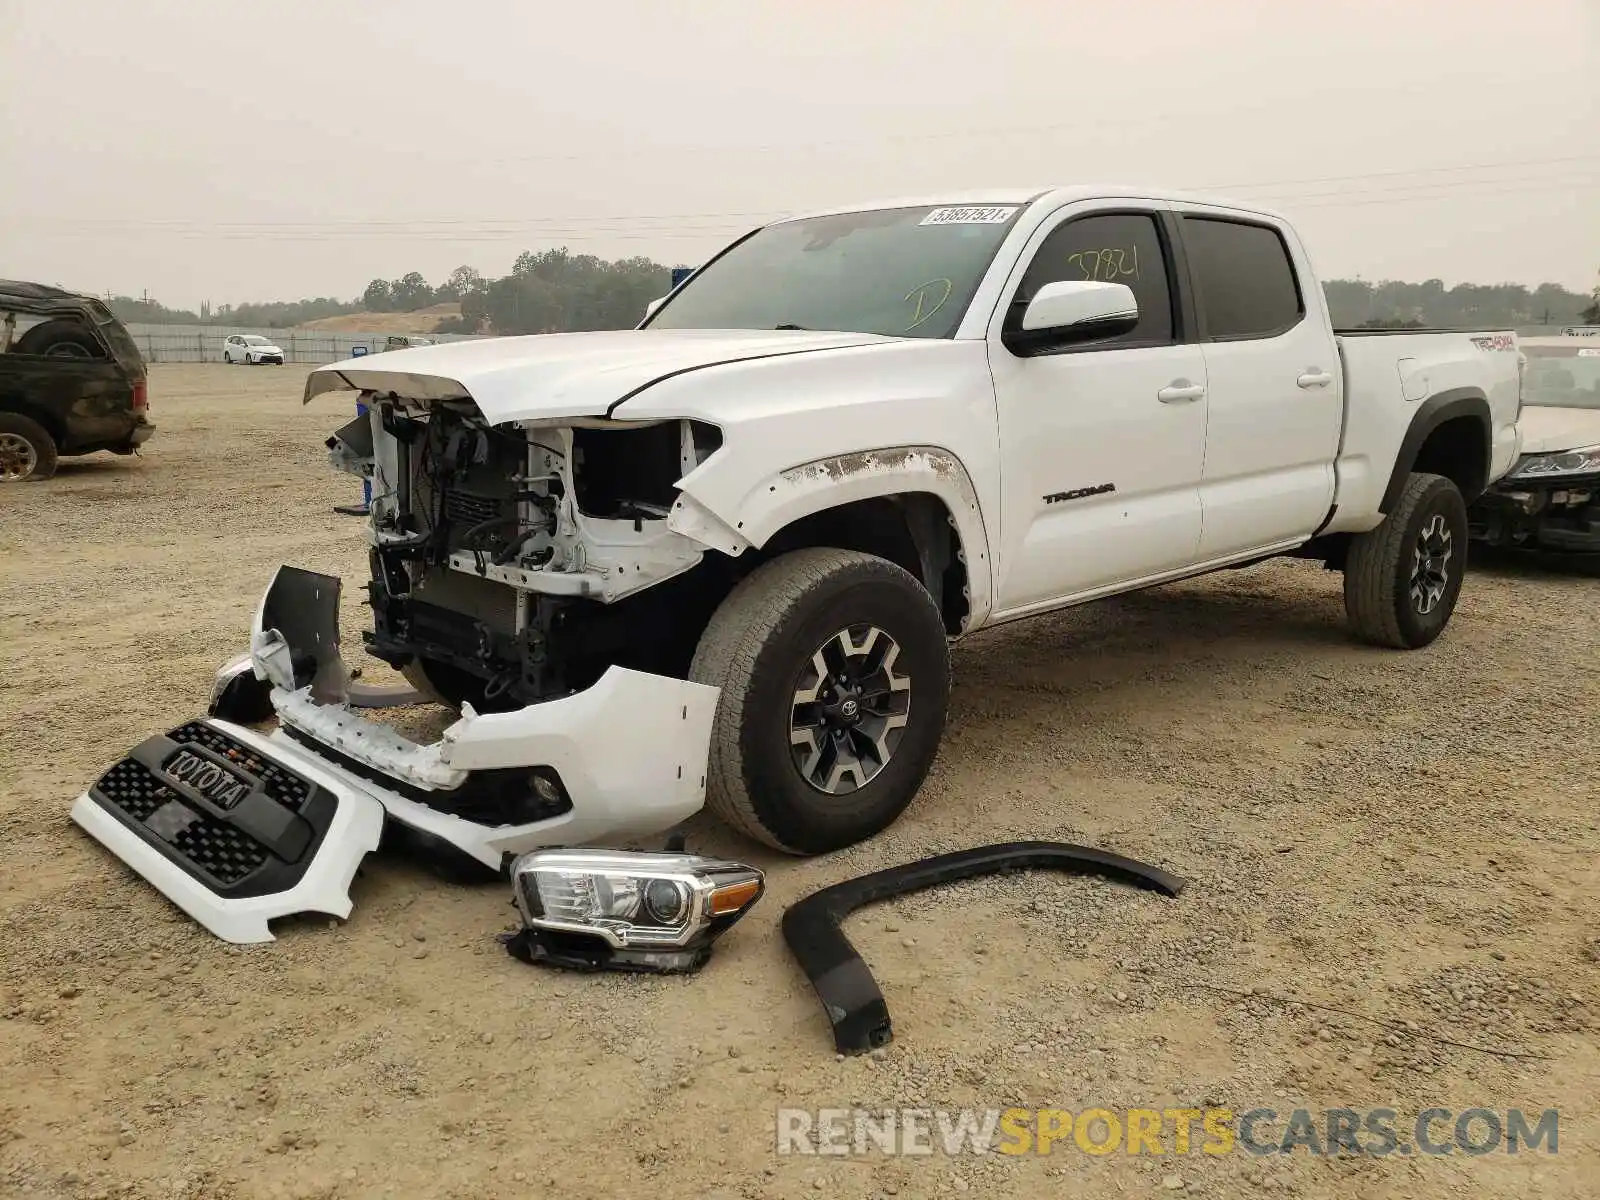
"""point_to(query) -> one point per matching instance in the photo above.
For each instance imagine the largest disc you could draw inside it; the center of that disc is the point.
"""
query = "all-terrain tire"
(1386, 593)
(24, 441)
(759, 648)
(61, 337)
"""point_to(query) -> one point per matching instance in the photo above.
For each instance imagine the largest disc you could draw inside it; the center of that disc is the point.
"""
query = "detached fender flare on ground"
(855, 1006)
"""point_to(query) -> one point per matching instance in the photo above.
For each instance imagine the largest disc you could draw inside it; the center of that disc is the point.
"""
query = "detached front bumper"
(624, 758)
(1561, 515)
(239, 828)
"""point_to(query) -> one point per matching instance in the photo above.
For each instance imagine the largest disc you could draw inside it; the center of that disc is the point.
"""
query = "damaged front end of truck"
(525, 573)
(521, 572)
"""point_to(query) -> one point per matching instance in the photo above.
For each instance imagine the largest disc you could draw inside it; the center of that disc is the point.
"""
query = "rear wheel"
(835, 678)
(1402, 579)
(27, 451)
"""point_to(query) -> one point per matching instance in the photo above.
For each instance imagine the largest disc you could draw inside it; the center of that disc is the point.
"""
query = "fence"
(203, 343)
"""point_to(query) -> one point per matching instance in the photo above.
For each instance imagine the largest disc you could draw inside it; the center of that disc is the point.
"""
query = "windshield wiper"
(791, 327)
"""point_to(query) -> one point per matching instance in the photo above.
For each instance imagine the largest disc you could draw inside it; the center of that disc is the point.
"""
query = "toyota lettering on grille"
(222, 788)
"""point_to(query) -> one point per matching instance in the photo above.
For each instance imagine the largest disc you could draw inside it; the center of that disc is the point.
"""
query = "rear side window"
(1110, 248)
(1243, 278)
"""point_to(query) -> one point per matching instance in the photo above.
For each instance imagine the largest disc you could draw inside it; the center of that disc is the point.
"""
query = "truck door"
(1275, 385)
(1102, 442)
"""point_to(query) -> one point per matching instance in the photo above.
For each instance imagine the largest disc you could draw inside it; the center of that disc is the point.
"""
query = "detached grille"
(249, 851)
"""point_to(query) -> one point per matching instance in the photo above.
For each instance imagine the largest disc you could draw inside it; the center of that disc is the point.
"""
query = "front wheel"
(1402, 579)
(835, 677)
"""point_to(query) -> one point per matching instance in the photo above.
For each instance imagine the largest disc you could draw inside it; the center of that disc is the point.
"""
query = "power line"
(603, 233)
(1495, 166)
(587, 222)
(590, 229)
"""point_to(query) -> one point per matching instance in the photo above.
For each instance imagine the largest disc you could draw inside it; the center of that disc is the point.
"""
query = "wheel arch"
(1450, 435)
(49, 421)
(914, 505)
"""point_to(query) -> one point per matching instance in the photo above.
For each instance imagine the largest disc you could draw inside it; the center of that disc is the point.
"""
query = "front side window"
(897, 272)
(1110, 248)
(1243, 277)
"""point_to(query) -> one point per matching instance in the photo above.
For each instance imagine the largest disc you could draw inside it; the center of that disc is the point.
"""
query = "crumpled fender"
(855, 1006)
(807, 488)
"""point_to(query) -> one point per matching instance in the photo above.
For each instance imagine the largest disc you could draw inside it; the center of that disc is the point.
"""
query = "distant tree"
(463, 281)
(150, 312)
(1357, 304)
(410, 292)
(553, 291)
(377, 297)
(1591, 314)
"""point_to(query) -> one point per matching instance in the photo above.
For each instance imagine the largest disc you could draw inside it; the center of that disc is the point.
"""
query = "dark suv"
(72, 381)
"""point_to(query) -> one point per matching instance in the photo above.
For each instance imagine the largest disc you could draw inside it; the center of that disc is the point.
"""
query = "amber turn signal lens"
(734, 896)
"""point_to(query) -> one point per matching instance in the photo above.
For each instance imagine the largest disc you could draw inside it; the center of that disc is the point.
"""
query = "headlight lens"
(1584, 461)
(627, 910)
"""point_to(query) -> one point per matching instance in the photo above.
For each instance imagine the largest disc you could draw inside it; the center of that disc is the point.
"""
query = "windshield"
(253, 340)
(1562, 378)
(899, 272)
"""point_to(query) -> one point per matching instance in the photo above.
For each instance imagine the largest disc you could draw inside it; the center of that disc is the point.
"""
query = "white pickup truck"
(719, 560)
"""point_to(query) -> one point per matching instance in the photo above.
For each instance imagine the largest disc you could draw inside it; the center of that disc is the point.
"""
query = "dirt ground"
(421, 321)
(1392, 860)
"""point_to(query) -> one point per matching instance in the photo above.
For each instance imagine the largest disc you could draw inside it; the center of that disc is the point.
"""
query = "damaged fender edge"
(812, 927)
(324, 887)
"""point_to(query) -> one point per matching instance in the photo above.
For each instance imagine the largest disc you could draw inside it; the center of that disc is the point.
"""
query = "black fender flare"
(855, 1006)
(1432, 413)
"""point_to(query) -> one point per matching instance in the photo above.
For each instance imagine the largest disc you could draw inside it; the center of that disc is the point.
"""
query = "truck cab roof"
(1050, 195)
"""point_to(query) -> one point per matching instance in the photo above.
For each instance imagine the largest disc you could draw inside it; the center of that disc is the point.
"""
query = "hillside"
(423, 320)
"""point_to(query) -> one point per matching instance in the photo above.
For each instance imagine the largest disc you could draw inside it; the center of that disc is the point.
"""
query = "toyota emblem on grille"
(223, 788)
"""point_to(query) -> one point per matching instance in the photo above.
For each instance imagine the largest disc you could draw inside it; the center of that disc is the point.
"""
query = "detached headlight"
(626, 910)
(1567, 462)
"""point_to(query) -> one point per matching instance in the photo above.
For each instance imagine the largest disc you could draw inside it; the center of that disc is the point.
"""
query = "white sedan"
(250, 349)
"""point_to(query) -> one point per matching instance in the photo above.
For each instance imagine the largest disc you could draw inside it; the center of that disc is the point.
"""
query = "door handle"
(1180, 391)
(1311, 379)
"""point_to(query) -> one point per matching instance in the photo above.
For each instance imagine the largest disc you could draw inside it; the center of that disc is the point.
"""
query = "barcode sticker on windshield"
(968, 216)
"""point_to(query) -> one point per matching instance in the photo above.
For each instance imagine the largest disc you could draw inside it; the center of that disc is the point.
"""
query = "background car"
(1551, 499)
(72, 381)
(250, 349)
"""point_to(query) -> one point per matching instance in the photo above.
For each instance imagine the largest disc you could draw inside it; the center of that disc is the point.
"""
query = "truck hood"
(552, 375)
(1546, 430)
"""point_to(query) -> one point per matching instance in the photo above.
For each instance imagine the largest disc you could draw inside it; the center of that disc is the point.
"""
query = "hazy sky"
(227, 151)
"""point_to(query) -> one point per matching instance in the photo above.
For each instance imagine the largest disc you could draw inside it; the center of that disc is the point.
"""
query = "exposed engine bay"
(512, 565)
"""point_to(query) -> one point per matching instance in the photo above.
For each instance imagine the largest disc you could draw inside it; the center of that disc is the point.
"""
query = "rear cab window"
(1245, 284)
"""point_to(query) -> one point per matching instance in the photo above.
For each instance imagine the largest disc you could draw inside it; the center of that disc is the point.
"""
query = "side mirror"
(650, 309)
(1072, 311)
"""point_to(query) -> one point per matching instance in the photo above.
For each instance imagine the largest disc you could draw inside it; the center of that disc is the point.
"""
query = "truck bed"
(1388, 373)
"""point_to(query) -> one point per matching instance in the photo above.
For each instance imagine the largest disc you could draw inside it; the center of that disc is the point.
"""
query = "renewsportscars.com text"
(1370, 1132)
